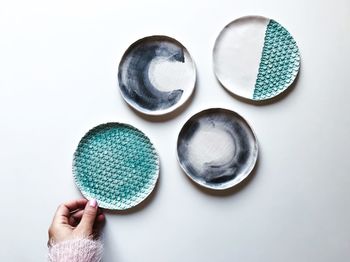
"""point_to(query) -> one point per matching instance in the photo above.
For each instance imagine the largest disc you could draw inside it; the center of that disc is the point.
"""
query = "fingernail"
(93, 203)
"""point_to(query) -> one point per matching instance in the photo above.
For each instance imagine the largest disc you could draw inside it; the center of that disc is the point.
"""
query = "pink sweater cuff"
(76, 250)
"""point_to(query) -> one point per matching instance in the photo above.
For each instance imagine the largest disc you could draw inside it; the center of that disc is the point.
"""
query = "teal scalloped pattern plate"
(279, 63)
(117, 165)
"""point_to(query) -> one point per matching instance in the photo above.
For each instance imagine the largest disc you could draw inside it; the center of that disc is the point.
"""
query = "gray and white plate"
(156, 75)
(217, 148)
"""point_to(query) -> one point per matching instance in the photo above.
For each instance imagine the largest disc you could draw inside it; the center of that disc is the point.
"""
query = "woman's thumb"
(88, 219)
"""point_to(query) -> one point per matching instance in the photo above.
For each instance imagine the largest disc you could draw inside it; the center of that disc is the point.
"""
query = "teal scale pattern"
(117, 165)
(279, 64)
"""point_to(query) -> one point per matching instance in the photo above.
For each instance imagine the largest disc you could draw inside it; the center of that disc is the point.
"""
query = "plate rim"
(228, 186)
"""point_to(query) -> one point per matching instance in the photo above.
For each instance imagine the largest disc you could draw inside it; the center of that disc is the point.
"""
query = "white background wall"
(58, 79)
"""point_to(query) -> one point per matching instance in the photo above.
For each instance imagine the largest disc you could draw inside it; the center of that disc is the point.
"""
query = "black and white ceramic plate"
(156, 75)
(217, 148)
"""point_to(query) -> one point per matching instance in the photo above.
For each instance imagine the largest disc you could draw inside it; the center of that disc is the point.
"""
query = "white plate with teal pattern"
(256, 58)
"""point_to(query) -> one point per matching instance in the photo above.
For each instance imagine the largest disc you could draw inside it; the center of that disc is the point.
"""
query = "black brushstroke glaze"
(136, 85)
(212, 173)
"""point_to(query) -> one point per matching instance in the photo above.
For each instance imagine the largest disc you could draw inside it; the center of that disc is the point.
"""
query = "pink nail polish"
(93, 203)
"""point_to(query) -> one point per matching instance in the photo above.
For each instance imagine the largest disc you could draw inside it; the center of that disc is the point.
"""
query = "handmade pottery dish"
(256, 58)
(217, 148)
(117, 165)
(156, 75)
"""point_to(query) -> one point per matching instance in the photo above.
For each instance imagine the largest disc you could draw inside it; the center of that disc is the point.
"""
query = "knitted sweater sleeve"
(76, 250)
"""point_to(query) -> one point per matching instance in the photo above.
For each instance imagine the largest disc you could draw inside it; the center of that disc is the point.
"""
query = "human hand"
(76, 219)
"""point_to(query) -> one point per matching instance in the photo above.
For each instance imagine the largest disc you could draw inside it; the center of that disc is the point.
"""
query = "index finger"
(63, 211)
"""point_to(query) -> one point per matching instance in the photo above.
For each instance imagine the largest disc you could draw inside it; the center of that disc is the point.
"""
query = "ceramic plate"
(117, 165)
(156, 75)
(217, 148)
(256, 58)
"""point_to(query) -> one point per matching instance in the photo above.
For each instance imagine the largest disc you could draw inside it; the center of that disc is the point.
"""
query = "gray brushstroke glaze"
(231, 172)
(133, 73)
